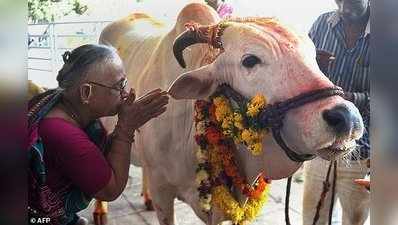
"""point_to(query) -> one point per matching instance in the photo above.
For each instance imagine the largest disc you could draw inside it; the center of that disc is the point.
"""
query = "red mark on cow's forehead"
(271, 24)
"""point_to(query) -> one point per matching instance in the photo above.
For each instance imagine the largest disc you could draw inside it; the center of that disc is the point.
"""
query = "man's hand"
(324, 59)
(363, 182)
(349, 96)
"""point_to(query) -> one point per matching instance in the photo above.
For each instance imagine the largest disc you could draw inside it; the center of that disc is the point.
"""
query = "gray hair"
(79, 62)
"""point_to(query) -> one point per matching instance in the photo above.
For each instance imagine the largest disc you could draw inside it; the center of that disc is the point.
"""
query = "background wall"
(299, 14)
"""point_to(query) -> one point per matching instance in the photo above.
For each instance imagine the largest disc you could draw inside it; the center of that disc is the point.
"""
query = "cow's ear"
(196, 84)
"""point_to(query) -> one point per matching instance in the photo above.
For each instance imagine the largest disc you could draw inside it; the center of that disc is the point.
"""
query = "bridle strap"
(272, 115)
(291, 154)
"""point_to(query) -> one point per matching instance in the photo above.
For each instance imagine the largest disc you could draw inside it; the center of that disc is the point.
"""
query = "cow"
(251, 55)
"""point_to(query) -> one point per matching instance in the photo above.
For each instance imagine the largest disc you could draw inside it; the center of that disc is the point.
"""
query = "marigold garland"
(233, 125)
(219, 126)
(223, 199)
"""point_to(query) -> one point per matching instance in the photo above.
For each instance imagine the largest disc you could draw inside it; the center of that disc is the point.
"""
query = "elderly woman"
(71, 158)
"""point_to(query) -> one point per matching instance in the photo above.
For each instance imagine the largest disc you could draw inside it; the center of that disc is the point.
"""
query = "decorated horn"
(193, 35)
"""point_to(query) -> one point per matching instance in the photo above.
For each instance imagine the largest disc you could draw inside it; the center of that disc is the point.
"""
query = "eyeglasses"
(119, 86)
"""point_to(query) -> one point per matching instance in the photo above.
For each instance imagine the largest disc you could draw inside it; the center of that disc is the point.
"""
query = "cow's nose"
(340, 118)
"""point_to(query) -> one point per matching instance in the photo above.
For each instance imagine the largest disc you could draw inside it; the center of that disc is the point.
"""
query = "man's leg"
(315, 172)
(354, 199)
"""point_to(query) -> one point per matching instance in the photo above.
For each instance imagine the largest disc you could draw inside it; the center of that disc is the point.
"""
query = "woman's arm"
(118, 158)
(132, 116)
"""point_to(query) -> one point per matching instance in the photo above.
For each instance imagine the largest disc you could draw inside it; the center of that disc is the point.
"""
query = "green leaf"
(51, 10)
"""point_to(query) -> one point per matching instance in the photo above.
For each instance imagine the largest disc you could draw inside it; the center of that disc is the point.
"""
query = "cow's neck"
(277, 164)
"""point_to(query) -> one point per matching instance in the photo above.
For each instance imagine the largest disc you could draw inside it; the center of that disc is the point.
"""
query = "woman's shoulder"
(59, 131)
(65, 140)
(58, 125)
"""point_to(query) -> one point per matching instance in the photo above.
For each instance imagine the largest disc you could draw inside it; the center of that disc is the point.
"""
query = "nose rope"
(271, 117)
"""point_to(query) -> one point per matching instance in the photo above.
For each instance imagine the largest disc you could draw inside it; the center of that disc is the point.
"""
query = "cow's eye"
(249, 61)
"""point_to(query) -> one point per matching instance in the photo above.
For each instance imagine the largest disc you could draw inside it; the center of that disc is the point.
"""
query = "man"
(342, 41)
(223, 9)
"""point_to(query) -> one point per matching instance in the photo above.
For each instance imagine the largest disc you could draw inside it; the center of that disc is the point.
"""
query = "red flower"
(212, 113)
(259, 189)
(200, 105)
(198, 138)
(230, 171)
(213, 136)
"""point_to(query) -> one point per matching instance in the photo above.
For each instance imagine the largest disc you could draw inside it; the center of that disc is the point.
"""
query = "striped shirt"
(350, 69)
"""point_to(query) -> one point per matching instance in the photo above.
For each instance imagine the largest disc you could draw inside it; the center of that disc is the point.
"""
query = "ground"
(129, 209)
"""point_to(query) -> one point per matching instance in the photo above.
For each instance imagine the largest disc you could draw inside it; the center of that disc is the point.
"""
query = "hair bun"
(66, 56)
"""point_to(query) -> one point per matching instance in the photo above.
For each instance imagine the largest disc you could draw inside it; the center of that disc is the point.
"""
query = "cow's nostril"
(340, 118)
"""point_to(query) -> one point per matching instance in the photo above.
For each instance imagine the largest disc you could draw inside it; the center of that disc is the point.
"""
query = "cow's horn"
(188, 38)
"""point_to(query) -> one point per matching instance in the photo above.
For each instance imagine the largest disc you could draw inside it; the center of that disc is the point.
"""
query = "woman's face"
(107, 89)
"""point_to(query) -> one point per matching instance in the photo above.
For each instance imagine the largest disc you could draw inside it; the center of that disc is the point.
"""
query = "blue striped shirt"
(350, 69)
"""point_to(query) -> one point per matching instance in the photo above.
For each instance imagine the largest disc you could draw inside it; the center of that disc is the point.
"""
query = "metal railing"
(48, 41)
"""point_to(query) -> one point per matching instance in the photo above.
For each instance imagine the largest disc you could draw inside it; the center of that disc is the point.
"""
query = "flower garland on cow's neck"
(219, 128)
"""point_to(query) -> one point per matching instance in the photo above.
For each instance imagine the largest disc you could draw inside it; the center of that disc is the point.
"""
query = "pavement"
(129, 209)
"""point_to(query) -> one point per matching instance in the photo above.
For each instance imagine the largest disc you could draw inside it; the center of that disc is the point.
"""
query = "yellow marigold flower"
(238, 121)
(201, 156)
(223, 200)
(246, 135)
(249, 136)
(251, 112)
(216, 162)
(207, 198)
(227, 133)
(205, 202)
(227, 122)
(256, 148)
(205, 206)
(258, 102)
(223, 108)
(201, 176)
(254, 207)
(253, 140)
(238, 138)
(200, 127)
(222, 112)
(199, 116)
(219, 100)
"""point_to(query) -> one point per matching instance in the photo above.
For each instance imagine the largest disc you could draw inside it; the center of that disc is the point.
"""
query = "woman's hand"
(136, 112)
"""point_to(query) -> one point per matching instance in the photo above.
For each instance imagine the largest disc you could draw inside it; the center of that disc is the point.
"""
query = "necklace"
(69, 109)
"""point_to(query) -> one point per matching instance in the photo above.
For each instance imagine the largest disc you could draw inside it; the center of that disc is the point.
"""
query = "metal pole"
(52, 50)
(55, 51)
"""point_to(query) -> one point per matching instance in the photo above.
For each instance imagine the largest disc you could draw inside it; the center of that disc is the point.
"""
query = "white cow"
(260, 55)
